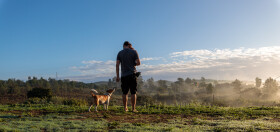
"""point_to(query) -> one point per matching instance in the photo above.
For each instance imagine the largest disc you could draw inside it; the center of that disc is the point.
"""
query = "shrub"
(36, 101)
(75, 102)
(57, 101)
(145, 100)
(39, 93)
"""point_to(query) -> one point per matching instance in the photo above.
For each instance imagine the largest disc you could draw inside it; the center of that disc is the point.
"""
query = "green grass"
(191, 117)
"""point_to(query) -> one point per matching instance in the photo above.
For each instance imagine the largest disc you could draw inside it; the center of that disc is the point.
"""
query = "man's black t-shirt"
(127, 57)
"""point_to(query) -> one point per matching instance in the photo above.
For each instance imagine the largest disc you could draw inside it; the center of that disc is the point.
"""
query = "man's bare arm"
(137, 62)
(118, 70)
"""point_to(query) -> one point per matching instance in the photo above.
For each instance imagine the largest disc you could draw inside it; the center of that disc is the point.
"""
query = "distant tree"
(202, 82)
(237, 85)
(180, 81)
(54, 85)
(162, 86)
(270, 86)
(162, 83)
(151, 83)
(188, 81)
(209, 88)
(202, 79)
(12, 86)
(216, 82)
(140, 83)
(39, 93)
(110, 83)
(3, 88)
(258, 82)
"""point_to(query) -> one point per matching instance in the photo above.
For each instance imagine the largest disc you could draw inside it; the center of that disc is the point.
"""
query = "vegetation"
(183, 105)
(191, 117)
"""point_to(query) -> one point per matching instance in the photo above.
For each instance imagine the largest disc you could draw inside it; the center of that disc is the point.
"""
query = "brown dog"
(103, 99)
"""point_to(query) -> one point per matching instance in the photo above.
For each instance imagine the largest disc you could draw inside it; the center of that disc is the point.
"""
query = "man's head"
(126, 44)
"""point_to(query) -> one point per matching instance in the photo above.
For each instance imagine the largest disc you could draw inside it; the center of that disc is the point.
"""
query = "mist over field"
(235, 93)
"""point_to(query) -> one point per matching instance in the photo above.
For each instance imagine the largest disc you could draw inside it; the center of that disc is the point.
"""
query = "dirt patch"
(130, 117)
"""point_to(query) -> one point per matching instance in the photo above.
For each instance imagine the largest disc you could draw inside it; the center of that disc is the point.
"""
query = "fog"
(235, 93)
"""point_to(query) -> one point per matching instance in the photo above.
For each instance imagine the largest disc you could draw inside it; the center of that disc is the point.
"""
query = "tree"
(209, 88)
(180, 84)
(3, 88)
(39, 93)
(202, 82)
(110, 83)
(258, 82)
(162, 86)
(270, 86)
(188, 81)
(236, 85)
(12, 86)
(151, 83)
(140, 83)
(162, 83)
(202, 79)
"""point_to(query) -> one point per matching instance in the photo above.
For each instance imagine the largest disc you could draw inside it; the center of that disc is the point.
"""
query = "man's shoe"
(135, 111)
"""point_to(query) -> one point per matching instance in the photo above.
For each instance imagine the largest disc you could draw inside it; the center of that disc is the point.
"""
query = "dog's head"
(111, 90)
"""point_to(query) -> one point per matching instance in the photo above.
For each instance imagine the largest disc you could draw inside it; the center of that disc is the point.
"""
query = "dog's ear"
(110, 90)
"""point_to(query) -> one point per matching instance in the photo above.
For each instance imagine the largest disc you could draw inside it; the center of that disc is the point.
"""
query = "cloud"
(221, 64)
(150, 58)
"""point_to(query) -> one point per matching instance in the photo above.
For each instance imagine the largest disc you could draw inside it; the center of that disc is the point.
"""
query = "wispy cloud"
(242, 63)
(150, 58)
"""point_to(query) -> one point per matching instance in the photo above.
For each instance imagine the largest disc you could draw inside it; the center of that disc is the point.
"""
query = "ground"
(149, 118)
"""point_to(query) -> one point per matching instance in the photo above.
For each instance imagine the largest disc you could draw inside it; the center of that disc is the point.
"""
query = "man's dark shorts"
(129, 83)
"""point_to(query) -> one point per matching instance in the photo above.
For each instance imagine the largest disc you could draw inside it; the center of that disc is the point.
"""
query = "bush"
(36, 101)
(57, 101)
(75, 102)
(145, 100)
(39, 93)
(68, 101)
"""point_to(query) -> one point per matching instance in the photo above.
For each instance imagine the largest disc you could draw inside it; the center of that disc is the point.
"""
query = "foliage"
(210, 88)
(57, 101)
(258, 82)
(237, 85)
(39, 93)
(75, 102)
(270, 86)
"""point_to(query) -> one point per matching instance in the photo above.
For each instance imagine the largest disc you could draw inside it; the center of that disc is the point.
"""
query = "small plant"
(113, 125)
(138, 124)
(75, 102)
(105, 115)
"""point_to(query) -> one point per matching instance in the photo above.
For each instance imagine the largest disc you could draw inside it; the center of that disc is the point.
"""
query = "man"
(129, 59)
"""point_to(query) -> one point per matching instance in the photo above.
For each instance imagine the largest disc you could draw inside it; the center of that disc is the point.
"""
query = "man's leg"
(133, 101)
(125, 98)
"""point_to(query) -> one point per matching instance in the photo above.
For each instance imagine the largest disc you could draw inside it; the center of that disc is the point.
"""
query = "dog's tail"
(93, 92)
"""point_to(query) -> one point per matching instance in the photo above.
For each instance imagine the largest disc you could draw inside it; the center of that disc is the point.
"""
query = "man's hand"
(118, 79)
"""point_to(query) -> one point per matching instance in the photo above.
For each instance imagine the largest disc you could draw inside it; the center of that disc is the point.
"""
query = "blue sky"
(80, 39)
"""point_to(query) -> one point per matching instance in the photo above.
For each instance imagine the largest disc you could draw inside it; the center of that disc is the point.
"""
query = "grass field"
(191, 117)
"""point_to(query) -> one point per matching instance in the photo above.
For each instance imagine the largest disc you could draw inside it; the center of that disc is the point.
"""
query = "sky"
(79, 39)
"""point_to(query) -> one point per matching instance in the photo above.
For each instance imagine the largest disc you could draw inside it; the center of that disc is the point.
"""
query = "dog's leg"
(107, 105)
(96, 104)
(96, 108)
(104, 106)
(89, 108)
